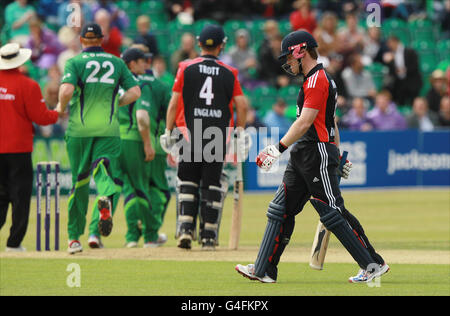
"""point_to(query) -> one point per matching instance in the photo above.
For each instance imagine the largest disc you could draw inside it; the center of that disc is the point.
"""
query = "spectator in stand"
(351, 38)
(159, 68)
(358, 81)
(48, 10)
(326, 34)
(175, 7)
(70, 39)
(211, 9)
(437, 90)
(44, 44)
(242, 57)
(444, 20)
(118, 17)
(53, 74)
(253, 119)
(447, 73)
(303, 18)
(271, 29)
(276, 117)
(334, 69)
(17, 16)
(112, 37)
(356, 119)
(186, 51)
(444, 112)
(270, 68)
(374, 46)
(395, 9)
(421, 118)
(404, 71)
(271, 8)
(67, 9)
(145, 36)
(338, 7)
(385, 115)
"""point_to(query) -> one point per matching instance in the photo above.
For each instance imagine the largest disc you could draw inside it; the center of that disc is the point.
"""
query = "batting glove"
(167, 141)
(346, 169)
(267, 157)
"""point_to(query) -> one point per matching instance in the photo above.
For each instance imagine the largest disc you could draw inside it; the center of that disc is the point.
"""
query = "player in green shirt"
(137, 152)
(158, 185)
(91, 83)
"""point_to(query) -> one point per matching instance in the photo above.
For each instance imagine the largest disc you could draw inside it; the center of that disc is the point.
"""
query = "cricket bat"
(236, 216)
(322, 237)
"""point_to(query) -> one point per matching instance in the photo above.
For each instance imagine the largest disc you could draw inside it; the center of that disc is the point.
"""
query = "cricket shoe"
(185, 241)
(105, 224)
(364, 276)
(16, 249)
(208, 244)
(74, 247)
(248, 271)
(162, 239)
(131, 244)
(95, 242)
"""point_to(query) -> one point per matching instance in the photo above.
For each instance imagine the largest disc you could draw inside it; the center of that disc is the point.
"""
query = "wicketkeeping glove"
(267, 157)
(346, 169)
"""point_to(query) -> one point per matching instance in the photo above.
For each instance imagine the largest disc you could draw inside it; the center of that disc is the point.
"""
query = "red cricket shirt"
(207, 87)
(21, 103)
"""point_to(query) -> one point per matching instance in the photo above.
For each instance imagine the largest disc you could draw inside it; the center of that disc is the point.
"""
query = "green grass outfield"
(410, 228)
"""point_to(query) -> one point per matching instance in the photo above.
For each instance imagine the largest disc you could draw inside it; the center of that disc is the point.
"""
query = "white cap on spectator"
(12, 56)
(242, 32)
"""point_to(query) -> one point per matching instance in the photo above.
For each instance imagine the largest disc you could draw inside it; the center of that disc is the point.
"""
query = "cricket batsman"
(90, 88)
(203, 95)
(312, 171)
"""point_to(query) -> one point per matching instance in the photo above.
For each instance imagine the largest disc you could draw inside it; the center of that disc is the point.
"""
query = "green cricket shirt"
(97, 77)
(161, 95)
(127, 114)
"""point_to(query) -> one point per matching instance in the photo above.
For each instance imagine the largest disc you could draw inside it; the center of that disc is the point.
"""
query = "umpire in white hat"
(21, 104)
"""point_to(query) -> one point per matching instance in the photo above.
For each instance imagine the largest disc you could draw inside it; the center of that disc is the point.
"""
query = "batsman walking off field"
(91, 83)
(312, 171)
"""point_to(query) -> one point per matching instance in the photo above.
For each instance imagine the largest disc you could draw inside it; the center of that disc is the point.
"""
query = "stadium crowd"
(395, 75)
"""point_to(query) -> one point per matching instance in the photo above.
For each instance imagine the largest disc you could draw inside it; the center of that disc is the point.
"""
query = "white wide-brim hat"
(12, 56)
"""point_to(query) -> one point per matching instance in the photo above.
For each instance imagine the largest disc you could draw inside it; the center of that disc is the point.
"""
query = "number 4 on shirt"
(206, 91)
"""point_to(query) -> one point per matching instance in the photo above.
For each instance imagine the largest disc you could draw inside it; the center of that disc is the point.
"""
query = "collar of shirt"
(313, 71)
(93, 49)
(209, 56)
(11, 71)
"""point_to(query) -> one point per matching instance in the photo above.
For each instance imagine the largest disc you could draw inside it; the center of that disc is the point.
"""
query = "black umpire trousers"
(16, 185)
(312, 172)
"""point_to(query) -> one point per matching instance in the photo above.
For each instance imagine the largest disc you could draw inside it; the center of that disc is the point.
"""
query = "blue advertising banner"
(380, 159)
